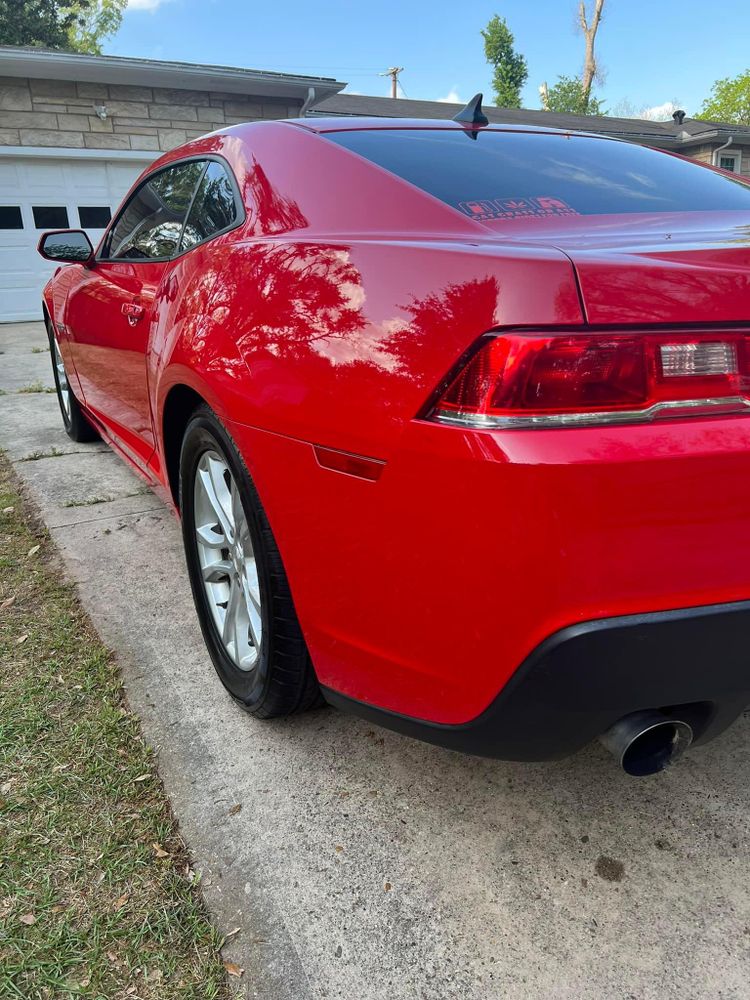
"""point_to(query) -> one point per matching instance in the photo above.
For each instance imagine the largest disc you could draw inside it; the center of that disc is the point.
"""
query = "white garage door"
(38, 193)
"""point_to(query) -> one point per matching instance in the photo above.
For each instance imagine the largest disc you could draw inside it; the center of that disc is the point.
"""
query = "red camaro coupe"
(456, 418)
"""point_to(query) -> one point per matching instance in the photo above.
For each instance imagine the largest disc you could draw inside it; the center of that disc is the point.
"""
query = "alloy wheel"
(62, 380)
(227, 560)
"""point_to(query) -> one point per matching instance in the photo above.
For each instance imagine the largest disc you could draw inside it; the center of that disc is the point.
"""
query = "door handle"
(133, 311)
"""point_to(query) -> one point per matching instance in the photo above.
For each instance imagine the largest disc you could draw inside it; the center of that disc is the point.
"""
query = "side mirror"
(68, 246)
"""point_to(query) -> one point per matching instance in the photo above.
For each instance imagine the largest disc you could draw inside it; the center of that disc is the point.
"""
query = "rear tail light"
(562, 380)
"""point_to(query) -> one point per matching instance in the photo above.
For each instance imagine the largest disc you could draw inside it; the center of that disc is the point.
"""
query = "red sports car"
(456, 418)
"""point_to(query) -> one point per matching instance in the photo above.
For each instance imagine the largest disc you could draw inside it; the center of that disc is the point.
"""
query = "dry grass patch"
(97, 895)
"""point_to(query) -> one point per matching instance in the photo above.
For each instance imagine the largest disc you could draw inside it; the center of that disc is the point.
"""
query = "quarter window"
(150, 226)
(214, 208)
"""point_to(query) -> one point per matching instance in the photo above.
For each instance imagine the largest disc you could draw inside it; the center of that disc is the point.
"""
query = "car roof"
(342, 123)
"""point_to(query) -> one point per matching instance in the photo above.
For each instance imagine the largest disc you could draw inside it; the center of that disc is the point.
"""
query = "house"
(703, 140)
(76, 130)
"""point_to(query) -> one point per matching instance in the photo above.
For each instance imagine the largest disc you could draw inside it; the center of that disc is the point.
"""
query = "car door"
(110, 311)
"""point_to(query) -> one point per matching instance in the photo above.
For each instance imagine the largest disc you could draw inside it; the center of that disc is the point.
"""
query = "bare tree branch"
(589, 29)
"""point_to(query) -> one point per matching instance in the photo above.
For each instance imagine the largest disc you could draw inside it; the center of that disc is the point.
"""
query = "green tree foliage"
(568, 96)
(97, 20)
(77, 25)
(510, 67)
(45, 23)
(729, 100)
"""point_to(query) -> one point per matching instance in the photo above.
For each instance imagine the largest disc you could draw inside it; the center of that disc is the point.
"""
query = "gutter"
(715, 154)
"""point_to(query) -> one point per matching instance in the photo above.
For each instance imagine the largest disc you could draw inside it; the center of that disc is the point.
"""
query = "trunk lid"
(671, 268)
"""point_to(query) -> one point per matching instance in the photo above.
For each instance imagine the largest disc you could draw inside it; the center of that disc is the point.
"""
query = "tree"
(589, 27)
(729, 100)
(510, 67)
(77, 25)
(45, 23)
(97, 20)
(568, 96)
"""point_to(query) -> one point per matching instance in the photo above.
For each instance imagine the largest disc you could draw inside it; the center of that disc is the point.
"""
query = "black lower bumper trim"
(695, 662)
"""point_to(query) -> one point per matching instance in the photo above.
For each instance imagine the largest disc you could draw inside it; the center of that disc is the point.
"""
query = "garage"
(77, 129)
(40, 193)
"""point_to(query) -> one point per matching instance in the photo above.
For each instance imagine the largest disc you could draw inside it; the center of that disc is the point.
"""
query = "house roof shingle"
(668, 133)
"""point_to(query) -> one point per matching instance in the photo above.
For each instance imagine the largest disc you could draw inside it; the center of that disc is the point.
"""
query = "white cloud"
(451, 98)
(144, 4)
(659, 112)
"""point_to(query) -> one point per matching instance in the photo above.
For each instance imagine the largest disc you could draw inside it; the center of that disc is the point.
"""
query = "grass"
(35, 456)
(39, 350)
(98, 898)
(36, 386)
(90, 501)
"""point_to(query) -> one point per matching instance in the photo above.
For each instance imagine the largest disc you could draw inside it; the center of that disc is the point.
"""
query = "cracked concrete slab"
(363, 864)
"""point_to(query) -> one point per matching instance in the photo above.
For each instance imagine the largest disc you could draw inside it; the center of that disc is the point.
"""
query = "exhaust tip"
(646, 742)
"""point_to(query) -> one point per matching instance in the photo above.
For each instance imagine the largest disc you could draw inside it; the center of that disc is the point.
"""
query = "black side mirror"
(69, 246)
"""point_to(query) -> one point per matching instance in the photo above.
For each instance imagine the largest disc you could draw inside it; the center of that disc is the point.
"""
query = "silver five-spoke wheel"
(227, 561)
(62, 379)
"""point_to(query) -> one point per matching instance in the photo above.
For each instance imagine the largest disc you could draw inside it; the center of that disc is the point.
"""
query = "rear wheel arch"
(179, 406)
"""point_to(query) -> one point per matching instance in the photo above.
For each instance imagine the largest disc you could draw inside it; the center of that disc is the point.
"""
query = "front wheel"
(240, 589)
(75, 423)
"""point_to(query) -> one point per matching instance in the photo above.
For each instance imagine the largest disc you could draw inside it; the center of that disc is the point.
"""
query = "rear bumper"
(582, 679)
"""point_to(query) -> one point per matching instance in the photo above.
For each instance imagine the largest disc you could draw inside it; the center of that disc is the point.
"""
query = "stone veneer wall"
(61, 113)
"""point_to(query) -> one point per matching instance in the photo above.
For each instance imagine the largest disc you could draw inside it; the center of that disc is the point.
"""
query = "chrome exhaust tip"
(647, 742)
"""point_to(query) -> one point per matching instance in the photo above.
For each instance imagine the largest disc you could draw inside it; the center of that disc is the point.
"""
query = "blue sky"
(651, 51)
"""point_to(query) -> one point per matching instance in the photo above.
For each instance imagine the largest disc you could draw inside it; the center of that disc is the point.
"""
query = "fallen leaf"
(234, 970)
(33, 550)
(339, 848)
(111, 956)
(387, 887)
(235, 809)
(22, 639)
(28, 918)
(159, 851)
(142, 777)
(227, 936)
(7, 602)
(85, 982)
(121, 901)
(8, 510)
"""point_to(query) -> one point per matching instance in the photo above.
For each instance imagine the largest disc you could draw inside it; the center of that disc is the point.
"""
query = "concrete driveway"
(365, 865)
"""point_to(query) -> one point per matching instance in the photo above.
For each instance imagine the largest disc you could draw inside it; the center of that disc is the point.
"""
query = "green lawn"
(97, 895)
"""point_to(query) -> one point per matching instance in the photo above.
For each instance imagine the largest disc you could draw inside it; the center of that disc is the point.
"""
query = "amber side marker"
(350, 465)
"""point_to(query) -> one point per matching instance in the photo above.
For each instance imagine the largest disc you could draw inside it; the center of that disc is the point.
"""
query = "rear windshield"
(511, 175)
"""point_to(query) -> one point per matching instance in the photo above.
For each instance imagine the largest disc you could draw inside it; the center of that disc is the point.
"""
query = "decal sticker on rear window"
(542, 206)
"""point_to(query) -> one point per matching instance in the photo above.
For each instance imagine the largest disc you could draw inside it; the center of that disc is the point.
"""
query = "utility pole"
(393, 74)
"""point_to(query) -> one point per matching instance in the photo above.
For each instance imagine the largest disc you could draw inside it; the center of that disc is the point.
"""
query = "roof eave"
(46, 65)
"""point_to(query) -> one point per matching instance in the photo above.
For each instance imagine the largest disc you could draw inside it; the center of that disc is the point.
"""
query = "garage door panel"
(28, 182)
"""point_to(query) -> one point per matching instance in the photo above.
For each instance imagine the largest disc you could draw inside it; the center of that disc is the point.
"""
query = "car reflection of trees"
(306, 301)
(271, 212)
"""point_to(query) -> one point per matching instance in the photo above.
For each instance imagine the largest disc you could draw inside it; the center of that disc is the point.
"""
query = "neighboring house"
(76, 130)
(689, 136)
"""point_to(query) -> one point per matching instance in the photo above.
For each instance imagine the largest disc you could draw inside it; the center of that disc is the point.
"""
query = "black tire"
(283, 680)
(75, 423)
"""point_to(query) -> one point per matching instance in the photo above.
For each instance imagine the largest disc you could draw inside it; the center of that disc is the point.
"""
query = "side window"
(214, 208)
(151, 224)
